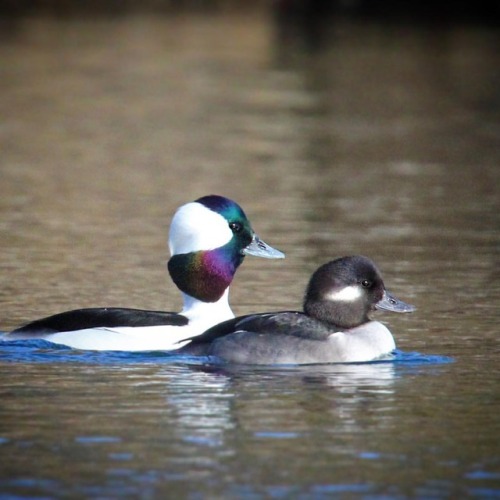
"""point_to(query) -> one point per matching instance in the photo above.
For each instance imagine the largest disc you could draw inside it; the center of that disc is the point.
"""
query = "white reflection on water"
(201, 404)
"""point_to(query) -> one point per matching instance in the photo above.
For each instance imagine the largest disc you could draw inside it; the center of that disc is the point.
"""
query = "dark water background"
(380, 139)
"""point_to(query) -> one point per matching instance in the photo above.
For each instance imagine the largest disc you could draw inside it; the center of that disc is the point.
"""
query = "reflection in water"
(201, 404)
(298, 395)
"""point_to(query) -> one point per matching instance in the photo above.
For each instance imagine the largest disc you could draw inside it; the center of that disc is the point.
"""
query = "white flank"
(201, 316)
(346, 294)
(194, 227)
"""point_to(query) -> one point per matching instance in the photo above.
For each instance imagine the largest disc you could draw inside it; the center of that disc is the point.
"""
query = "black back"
(290, 323)
(111, 317)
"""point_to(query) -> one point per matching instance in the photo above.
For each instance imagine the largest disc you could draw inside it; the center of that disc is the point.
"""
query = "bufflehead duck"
(334, 327)
(208, 240)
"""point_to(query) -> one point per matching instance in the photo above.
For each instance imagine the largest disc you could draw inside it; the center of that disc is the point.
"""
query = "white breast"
(367, 342)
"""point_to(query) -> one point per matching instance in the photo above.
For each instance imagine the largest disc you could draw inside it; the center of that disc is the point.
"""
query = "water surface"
(384, 143)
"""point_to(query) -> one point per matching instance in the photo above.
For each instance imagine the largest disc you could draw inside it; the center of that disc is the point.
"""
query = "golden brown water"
(385, 143)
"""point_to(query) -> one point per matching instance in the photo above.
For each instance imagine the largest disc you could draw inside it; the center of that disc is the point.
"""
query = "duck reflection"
(216, 404)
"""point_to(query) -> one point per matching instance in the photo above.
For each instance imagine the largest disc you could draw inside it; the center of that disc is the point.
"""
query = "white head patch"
(346, 294)
(194, 227)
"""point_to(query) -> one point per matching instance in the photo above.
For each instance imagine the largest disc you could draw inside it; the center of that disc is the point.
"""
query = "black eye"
(235, 227)
(366, 283)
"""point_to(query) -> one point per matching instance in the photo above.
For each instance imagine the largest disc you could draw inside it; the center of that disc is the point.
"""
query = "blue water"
(43, 351)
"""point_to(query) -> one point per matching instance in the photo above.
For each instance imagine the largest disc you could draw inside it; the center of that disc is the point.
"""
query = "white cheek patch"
(194, 227)
(346, 294)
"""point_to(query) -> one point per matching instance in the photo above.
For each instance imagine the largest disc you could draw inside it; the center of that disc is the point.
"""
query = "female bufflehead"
(334, 327)
(208, 240)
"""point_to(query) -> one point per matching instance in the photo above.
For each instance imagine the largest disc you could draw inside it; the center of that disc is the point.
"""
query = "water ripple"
(43, 351)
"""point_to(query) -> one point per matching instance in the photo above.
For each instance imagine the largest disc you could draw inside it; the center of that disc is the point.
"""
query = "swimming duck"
(208, 240)
(333, 328)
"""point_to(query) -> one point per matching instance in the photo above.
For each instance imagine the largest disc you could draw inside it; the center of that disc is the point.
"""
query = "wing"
(290, 323)
(110, 317)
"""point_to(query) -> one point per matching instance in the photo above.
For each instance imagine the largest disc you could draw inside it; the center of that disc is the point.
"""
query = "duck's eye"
(366, 283)
(235, 227)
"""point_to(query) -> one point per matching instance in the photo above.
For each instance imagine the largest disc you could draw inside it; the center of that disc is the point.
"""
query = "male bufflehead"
(208, 240)
(334, 327)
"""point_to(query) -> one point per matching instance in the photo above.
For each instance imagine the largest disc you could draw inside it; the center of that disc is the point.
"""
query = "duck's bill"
(260, 249)
(391, 303)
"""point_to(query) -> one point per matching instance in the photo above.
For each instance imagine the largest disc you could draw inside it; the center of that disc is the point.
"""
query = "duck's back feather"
(105, 317)
(289, 323)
